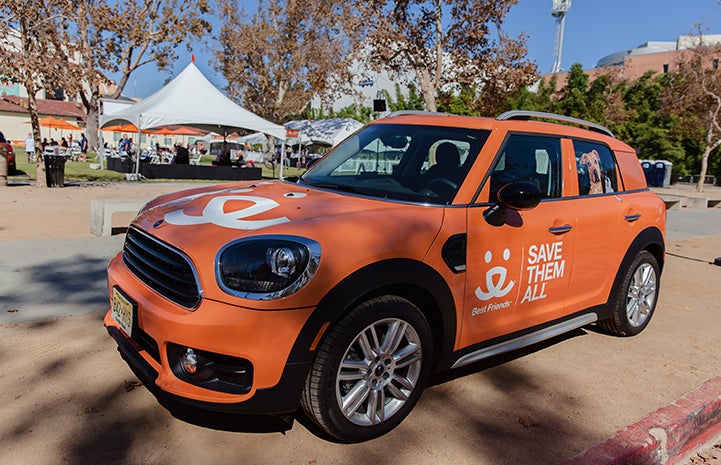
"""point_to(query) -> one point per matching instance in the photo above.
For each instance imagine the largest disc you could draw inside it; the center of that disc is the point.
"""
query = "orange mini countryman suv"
(422, 243)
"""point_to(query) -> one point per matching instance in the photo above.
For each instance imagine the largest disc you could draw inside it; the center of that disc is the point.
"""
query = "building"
(661, 57)
(367, 86)
(15, 118)
(14, 114)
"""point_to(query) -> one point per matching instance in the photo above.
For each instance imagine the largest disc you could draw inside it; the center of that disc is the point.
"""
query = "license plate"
(123, 310)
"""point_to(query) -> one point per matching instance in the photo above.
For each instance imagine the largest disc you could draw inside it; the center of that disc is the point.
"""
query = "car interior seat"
(447, 165)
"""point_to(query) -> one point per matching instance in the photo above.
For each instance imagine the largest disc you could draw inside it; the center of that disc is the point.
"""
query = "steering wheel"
(442, 186)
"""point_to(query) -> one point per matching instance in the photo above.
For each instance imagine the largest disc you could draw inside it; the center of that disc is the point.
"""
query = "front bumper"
(280, 399)
(264, 339)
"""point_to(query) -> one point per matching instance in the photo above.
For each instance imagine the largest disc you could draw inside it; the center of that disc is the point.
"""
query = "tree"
(276, 60)
(358, 113)
(121, 37)
(604, 100)
(150, 31)
(541, 98)
(412, 102)
(86, 52)
(647, 127)
(75, 44)
(573, 95)
(447, 45)
(633, 110)
(694, 96)
(28, 45)
(458, 102)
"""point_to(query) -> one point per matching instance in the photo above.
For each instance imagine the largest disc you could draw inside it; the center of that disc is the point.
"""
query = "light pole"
(558, 11)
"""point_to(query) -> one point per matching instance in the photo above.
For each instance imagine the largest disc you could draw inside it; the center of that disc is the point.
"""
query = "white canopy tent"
(328, 132)
(191, 100)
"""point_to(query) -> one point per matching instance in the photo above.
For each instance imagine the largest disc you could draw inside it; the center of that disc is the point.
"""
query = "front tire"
(636, 299)
(370, 370)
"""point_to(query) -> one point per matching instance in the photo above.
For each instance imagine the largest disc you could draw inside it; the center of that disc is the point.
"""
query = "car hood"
(201, 221)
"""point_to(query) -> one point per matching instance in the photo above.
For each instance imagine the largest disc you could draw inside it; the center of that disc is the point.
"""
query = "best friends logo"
(495, 279)
(543, 263)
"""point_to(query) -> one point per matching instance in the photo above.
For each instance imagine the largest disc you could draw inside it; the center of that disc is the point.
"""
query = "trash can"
(55, 170)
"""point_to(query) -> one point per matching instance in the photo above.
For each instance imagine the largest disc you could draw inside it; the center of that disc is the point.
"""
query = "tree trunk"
(704, 168)
(91, 120)
(40, 180)
(427, 89)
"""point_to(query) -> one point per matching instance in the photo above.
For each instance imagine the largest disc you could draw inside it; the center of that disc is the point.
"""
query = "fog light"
(189, 361)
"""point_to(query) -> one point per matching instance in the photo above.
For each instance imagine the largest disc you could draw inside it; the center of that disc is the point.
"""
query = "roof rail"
(416, 112)
(525, 115)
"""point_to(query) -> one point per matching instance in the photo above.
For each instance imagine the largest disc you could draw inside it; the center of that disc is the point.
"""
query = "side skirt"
(527, 339)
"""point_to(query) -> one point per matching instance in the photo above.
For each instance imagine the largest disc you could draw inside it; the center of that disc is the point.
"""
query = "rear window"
(596, 167)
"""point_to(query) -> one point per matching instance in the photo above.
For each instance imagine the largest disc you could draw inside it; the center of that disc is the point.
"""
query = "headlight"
(267, 267)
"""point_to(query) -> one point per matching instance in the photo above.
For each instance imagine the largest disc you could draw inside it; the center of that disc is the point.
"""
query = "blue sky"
(594, 29)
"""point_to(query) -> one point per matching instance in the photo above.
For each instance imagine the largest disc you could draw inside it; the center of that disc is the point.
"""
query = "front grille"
(162, 268)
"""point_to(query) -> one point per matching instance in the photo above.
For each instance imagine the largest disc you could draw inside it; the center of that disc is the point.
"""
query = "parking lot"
(69, 398)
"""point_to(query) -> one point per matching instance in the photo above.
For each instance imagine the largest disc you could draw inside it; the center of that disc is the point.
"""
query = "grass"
(74, 170)
(80, 171)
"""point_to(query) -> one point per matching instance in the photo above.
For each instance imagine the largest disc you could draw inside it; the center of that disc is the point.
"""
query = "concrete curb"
(666, 436)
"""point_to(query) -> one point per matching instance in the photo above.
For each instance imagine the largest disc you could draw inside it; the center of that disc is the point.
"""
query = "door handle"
(560, 229)
(632, 218)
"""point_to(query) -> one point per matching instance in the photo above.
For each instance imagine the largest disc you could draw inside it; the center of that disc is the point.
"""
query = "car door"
(605, 224)
(518, 273)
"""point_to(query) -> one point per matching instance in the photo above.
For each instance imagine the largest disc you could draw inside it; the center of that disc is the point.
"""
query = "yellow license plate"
(122, 311)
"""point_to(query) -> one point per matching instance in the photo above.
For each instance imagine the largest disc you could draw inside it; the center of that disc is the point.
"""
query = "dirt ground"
(32, 213)
(67, 396)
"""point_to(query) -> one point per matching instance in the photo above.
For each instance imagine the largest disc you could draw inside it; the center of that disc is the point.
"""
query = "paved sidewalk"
(54, 277)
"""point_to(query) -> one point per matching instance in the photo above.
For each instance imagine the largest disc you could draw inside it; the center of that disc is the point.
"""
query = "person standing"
(30, 147)
(84, 146)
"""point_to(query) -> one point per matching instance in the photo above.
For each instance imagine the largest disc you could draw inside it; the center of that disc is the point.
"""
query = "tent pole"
(101, 147)
(137, 146)
(282, 159)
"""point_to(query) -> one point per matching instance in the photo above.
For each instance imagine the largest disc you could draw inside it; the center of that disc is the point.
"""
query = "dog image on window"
(593, 166)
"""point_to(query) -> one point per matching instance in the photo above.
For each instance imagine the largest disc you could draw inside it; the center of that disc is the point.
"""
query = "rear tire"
(370, 370)
(635, 300)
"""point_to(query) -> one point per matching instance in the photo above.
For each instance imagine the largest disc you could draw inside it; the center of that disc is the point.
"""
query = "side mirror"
(517, 195)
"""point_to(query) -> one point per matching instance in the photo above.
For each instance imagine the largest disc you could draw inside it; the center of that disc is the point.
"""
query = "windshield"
(400, 162)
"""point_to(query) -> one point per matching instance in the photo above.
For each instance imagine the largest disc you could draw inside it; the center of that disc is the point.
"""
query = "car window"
(401, 162)
(374, 156)
(596, 168)
(536, 159)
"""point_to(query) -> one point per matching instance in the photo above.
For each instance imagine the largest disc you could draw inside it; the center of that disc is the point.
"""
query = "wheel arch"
(650, 239)
(409, 279)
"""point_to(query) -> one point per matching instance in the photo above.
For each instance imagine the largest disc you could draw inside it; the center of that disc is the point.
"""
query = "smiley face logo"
(495, 279)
